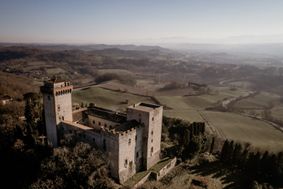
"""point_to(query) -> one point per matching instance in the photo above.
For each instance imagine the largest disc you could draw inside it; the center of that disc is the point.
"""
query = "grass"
(277, 112)
(231, 125)
(259, 101)
(116, 71)
(107, 98)
(157, 167)
(136, 178)
(55, 70)
(245, 129)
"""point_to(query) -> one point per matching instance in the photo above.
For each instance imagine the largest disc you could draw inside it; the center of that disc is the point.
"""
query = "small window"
(63, 118)
(99, 123)
(105, 125)
(152, 132)
(104, 145)
(137, 155)
(126, 163)
(151, 151)
(93, 122)
(129, 141)
(152, 118)
(151, 140)
(136, 138)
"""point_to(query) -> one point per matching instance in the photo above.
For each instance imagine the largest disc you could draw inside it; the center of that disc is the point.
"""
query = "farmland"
(106, 98)
(193, 108)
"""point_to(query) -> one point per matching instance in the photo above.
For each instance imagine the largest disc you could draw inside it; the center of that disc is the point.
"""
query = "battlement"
(110, 115)
(128, 128)
(146, 107)
(56, 87)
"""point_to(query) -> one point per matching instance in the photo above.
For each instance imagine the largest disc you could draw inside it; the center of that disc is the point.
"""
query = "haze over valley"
(145, 95)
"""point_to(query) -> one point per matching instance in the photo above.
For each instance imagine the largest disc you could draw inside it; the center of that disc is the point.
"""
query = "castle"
(130, 140)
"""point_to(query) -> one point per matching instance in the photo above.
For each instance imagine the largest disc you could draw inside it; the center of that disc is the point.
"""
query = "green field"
(55, 70)
(192, 108)
(245, 129)
(259, 101)
(277, 112)
(107, 98)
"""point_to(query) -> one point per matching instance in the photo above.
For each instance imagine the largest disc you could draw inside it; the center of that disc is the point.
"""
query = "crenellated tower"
(150, 116)
(57, 101)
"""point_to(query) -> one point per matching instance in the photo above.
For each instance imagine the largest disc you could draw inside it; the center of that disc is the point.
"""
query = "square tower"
(57, 101)
(150, 115)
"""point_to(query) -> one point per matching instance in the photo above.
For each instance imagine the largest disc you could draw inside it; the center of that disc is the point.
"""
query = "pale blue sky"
(141, 21)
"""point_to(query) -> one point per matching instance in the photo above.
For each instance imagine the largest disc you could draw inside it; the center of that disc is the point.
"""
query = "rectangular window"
(126, 163)
(129, 142)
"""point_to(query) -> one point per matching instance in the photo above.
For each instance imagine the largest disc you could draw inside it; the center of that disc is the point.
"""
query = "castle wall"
(63, 105)
(127, 155)
(97, 122)
(78, 114)
(50, 118)
(152, 120)
(57, 101)
(141, 117)
(154, 137)
(129, 150)
(104, 140)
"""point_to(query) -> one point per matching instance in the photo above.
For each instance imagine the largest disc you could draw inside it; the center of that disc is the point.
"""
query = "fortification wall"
(63, 107)
(78, 114)
(97, 122)
(152, 120)
(154, 137)
(166, 169)
(127, 154)
(106, 140)
(50, 118)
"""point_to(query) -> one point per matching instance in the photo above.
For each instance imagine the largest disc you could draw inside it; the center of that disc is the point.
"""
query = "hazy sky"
(141, 21)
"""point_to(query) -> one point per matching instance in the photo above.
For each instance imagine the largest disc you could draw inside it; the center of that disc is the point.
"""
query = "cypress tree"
(224, 151)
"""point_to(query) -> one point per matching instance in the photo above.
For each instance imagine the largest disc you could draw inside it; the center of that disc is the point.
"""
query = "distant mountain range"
(87, 47)
(273, 49)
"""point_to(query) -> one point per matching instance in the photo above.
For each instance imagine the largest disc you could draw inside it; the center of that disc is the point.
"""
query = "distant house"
(5, 99)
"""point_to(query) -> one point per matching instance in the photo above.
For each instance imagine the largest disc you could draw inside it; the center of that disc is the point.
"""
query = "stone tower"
(57, 101)
(150, 116)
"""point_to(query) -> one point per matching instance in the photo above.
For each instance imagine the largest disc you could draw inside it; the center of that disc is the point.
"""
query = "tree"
(80, 166)
(236, 158)
(224, 151)
(33, 113)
